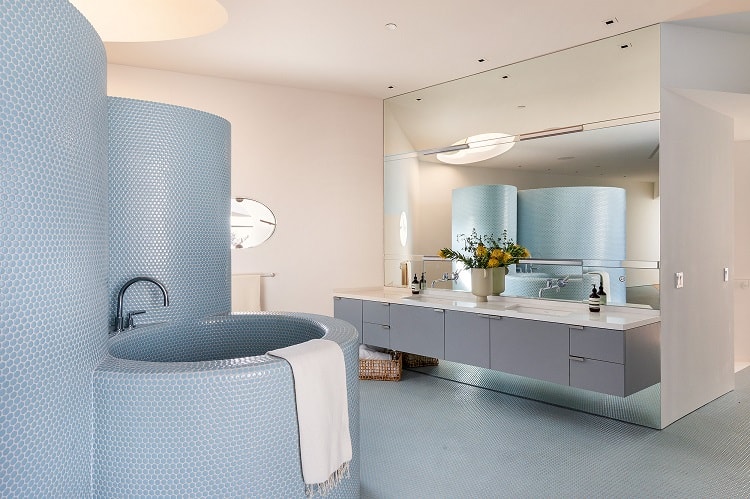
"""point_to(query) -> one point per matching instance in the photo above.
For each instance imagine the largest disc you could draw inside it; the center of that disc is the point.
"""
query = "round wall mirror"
(252, 223)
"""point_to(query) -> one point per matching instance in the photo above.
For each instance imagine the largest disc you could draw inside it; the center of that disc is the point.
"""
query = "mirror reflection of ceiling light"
(477, 148)
(151, 20)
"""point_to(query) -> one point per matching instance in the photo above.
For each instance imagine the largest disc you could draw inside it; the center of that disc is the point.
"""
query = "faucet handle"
(130, 317)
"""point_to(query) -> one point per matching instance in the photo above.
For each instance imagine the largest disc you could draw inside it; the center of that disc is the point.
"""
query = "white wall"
(315, 158)
(697, 226)
(741, 252)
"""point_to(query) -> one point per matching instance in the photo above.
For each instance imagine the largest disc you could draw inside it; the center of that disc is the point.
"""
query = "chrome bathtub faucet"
(121, 296)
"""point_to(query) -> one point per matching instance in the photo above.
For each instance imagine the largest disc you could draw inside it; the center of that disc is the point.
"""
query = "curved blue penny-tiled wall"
(573, 222)
(53, 245)
(73, 231)
(582, 222)
(169, 170)
(489, 209)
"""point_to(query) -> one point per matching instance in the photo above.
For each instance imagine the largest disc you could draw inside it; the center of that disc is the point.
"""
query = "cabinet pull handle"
(386, 327)
(575, 327)
(577, 359)
(438, 310)
(336, 297)
(484, 316)
(385, 304)
(496, 317)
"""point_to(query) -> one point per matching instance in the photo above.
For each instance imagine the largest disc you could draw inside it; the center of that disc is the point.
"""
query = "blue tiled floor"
(433, 438)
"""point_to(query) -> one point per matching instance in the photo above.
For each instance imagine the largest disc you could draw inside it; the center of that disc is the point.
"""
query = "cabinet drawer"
(598, 376)
(376, 312)
(377, 335)
(599, 344)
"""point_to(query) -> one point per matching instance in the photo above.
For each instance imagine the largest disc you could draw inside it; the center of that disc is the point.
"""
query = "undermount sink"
(525, 309)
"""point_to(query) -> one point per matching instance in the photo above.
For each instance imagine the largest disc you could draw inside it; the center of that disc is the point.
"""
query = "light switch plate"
(678, 280)
(726, 274)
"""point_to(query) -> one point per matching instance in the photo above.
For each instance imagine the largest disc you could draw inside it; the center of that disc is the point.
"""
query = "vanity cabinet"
(615, 362)
(419, 330)
(467, 338)
(612, 361)
(376, 324)
(534, 349)
(349, 310)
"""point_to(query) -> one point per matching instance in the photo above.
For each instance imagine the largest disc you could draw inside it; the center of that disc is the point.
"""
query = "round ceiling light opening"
(152, 20)
(478, 148)
(391, 26)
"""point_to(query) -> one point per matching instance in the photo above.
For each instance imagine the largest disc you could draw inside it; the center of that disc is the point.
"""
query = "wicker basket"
(414, 360)
(382, 370)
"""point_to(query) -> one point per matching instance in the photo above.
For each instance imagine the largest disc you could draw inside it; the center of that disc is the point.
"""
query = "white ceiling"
(344, 46)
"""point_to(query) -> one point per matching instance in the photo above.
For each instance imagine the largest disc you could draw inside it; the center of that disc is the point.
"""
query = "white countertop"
(572, 313)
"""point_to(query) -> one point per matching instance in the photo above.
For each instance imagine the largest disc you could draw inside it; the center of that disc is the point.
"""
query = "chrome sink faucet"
(556, 285)
(121, 296)
(448, 276)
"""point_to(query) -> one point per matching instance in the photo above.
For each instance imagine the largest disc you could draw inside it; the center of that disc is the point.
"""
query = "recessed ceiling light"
(391, 26)
(520, 166)
(505, 77)
(625, 46)
(610, 22)
(566, 157)
(480, 60)
(390, 86)
(419, 98)
(521, 107)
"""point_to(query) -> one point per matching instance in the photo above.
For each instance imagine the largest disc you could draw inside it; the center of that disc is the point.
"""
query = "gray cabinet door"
(530, 348)
(349, 310)
(598, 376)
(377, 335)
(467, 338)
(419, 330)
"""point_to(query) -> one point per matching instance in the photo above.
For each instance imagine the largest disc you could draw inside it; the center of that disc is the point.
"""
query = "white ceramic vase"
(481, 283)
(498, 280)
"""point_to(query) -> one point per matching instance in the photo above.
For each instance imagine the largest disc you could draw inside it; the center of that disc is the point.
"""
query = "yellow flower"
(507, 257)
(481, 250)
(497, 254)
(492, 263)
(526, 253)
(442, 254)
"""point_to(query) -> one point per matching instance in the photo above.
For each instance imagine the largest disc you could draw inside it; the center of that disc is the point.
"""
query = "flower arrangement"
(486, 252)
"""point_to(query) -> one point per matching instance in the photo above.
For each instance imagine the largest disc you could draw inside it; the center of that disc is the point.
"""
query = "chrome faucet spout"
(448, 276)
(121, 297)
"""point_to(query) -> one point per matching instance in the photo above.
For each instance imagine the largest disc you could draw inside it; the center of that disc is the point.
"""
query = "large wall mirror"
(585, 116)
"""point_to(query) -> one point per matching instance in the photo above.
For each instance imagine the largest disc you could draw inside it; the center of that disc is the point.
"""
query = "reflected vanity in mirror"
(586, 116)
(251, 221)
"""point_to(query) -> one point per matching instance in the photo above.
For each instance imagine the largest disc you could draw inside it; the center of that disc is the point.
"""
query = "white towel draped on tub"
(322, 412)
(246, 293)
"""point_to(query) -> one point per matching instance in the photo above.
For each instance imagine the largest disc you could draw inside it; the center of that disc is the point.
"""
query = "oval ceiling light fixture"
(152, 20)
(480, 147)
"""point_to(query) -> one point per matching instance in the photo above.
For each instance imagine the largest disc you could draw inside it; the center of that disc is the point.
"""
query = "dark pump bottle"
(422, 283)
(602, 295)
(594, 300)
(415, 285)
